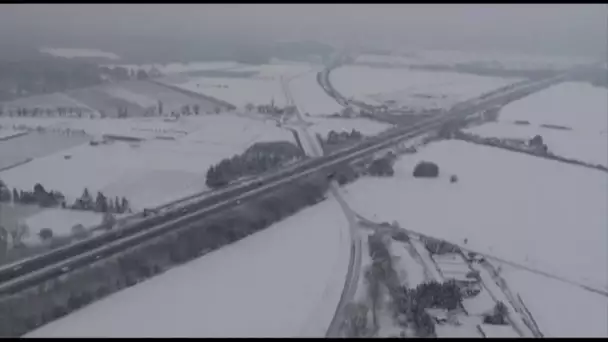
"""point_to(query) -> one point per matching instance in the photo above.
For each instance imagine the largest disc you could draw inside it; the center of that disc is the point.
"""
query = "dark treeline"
(258, 158)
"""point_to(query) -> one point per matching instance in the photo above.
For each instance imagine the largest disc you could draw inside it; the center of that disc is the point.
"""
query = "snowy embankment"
(148, 173)
(410, 89)
(572, 119)
(283, 281)
(506, 205)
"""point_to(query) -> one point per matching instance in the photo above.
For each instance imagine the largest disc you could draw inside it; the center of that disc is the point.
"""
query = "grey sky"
(563, 27)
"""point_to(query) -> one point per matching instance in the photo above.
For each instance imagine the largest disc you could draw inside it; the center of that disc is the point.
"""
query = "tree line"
(40, 196)
(259, 158)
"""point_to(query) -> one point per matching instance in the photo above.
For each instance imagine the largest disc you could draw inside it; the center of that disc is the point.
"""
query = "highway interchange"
(36, 270)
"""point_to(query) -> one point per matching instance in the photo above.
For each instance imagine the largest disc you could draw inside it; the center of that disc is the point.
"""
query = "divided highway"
(33, 271)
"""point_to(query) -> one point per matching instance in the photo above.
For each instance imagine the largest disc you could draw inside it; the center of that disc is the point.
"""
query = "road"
(38, 269)
(354, 266)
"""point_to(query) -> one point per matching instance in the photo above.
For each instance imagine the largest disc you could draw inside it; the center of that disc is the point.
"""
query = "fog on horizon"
(539, 28)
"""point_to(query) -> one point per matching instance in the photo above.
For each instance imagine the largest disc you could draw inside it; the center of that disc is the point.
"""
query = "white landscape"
(150, 172)
(311, 98)
(505, 205)
(410, 89)
(263, 87)
(353, 242)
(580, 108)
(221, 294)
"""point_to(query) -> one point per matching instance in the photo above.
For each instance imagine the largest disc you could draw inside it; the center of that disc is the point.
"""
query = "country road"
(354, 267)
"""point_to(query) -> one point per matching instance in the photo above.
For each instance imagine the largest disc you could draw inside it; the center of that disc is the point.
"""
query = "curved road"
(354, 266)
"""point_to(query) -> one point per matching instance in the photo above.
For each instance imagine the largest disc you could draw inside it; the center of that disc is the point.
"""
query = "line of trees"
(38, 196)
(44, 198)
(334, 138)
(259, 158)
(101, 204)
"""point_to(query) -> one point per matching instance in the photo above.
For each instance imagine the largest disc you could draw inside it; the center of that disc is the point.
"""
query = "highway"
(38, 269)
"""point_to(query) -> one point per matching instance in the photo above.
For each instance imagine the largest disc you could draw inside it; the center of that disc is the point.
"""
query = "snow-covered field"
(8, 133)
(44, 101)
(560, 309)
(148, 173)
(138, 97)
(410, 89)
(75, 53)
(499, 60)
(580, 107)
(311, 98)
(262, 87)
(174, 68)
(524, 209)
(60, 221)
(238, 91)
(274, 283)
(35, 145)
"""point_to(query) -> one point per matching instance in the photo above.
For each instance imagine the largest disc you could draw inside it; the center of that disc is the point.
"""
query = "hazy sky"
(559, 27)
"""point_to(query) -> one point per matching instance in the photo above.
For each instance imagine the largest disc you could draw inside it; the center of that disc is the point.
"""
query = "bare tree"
(249, 107)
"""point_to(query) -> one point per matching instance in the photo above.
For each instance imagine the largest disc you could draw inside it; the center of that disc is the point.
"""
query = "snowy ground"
(409, 89)
(580, 107)
(75, 53)
(270, 284)
(498, 60)
(148, 173)
(506, 204)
